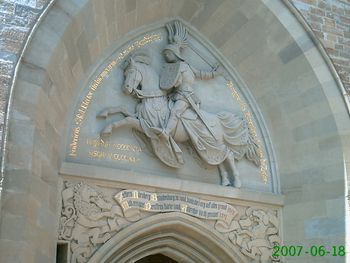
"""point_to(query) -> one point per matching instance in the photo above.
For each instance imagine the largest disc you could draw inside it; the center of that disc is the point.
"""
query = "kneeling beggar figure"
(169, 111)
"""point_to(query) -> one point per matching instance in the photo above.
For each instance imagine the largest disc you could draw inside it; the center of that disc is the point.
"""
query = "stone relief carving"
(256, 234)
(87, 219)
(90, 217)
(169, 112)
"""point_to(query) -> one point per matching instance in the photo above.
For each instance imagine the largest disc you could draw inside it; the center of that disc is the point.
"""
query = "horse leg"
(230, 160)
(128, 121)
(115, 110)
(224, 175)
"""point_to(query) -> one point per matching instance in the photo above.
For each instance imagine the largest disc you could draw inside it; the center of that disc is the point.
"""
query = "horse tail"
(253, 151)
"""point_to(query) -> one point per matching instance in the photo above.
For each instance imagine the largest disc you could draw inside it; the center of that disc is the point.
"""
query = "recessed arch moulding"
(79, 44)
(175, 235)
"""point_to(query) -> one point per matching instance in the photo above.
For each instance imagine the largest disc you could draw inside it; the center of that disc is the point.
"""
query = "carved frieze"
(90, 216)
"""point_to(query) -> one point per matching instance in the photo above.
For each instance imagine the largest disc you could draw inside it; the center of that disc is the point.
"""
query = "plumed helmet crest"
(177, 36)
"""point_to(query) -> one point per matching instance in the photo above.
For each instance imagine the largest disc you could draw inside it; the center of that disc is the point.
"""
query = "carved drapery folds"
(90, 217)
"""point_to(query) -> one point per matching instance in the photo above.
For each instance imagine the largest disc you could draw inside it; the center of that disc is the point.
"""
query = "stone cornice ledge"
(111, 177)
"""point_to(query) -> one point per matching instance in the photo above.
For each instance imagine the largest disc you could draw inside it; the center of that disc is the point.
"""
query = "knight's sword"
(199, 113)
(213, 66)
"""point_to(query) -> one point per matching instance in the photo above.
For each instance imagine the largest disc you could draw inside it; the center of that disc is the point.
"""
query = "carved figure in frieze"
(169, 113)
(87, 220)
(257, 234)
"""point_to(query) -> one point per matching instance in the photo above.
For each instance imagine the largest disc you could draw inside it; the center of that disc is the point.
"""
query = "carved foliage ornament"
(89, 218)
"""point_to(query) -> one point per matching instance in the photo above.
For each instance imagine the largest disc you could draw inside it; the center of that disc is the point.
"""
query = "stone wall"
(296, 92)
(329, 20)
(17, 19)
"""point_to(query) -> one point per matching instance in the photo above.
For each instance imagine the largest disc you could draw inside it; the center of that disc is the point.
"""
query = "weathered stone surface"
(268, 82)
(115, 211)
(321, 227)
(332, 26)
(17, 19)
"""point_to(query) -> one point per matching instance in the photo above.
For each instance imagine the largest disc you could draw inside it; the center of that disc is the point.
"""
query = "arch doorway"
(171, 236)
(157, 258)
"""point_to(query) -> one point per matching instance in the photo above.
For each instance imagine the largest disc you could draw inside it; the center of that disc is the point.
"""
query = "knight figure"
(179, 76)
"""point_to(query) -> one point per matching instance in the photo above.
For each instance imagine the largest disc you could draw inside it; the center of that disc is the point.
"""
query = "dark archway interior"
(157, 258)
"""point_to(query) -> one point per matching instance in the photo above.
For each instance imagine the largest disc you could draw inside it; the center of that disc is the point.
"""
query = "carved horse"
(233, 138)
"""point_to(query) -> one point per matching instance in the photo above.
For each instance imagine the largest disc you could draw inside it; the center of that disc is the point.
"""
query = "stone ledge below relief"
(112, 177)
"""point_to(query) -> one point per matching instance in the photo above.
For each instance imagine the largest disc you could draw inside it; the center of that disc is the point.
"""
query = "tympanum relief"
(171, 100)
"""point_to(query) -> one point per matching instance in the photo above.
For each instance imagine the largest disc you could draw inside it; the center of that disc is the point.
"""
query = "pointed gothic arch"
(178, 236)
(274, 55)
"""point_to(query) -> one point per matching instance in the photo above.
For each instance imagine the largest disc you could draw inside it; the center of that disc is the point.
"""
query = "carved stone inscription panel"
(162, 103)
(90, 216)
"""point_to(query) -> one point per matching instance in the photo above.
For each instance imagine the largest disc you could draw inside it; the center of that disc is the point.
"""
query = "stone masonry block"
(323, 190)
(42, 46)
(21, 209)
(89, 24)
(58, 20)
(304, 210)
(83, 51)
(12, 38)
(49, 172)
(16, 251)
(46, 219)
(208, 9)
(18, 180)
(228, 29)
(188, 9)
(323, 226)
(72, 7)
(35, 75)
(19, 157)
(22, 132)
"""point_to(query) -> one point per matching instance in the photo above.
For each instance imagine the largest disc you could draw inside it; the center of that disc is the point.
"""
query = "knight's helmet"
(177, 36)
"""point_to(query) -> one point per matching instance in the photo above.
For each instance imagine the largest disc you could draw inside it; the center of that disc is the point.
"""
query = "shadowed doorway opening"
(157, 258)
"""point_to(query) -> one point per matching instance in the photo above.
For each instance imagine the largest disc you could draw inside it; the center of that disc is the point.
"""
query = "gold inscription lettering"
(153, 197)
(74, 144)
(119, 197)
(99, 143)
(147, 206)
(125, 205)
(243, 106)
(101, 155)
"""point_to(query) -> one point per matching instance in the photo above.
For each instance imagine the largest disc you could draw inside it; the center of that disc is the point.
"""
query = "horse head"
(133, 77)
(133, 71)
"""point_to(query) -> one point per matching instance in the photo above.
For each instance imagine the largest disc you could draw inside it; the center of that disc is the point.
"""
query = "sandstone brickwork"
(17, 19)
(296, 93)
(330, 21)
